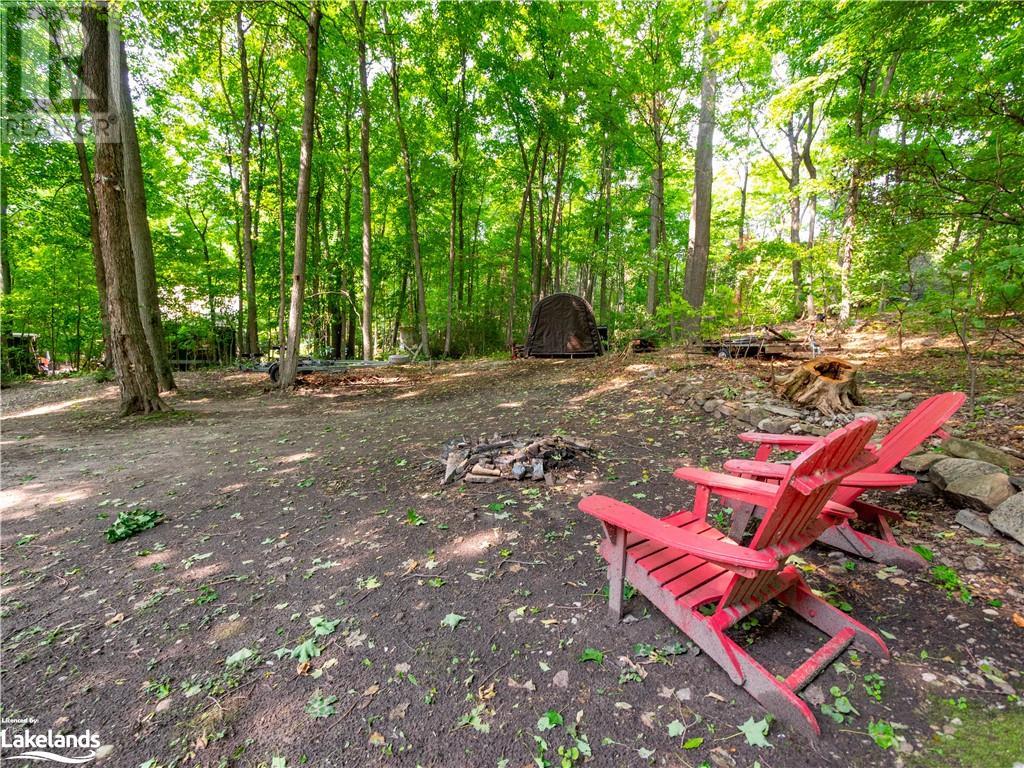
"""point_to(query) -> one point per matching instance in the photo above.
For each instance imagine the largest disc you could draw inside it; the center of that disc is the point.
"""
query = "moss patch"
(986, 738)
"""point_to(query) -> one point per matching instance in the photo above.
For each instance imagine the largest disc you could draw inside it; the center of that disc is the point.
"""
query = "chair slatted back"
(916, 427)
(808, 485)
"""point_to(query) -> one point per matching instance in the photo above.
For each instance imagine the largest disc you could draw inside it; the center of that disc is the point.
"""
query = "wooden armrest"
(728, 487)
(724, 552)
(760, 469)
(781, 441)
(835, 509)
(878, 480)
(768, 470)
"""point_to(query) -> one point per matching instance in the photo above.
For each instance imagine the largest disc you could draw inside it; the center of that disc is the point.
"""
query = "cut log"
(481, 470)
(828, 384)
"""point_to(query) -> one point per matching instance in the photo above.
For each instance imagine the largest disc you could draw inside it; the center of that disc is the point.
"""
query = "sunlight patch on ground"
(510, 405)
(15, 504)
(469, 547)
(610, 386)
(295, 457)
(42, 410)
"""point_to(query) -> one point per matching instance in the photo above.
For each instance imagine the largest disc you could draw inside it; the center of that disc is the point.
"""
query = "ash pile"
(502, 458)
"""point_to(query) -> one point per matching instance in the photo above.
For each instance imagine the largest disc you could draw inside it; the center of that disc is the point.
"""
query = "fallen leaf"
(116, 619)
(1018, 620)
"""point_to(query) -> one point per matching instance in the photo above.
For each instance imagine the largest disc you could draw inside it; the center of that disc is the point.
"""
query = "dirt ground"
(450, 625)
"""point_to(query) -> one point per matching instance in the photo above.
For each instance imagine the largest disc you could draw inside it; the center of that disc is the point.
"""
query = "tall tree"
(700, 217)
(410, 191)
(133, 361)
(290, 356)
(251, 333)
(359, 8)
(138, 217)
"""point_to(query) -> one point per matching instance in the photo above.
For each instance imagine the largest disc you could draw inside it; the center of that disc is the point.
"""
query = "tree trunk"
(251, 331)
(138, 220)
(827, 384)
(359, 14)
(290, 357)
(454, 194)
(410, 196)
(133, 361)
(700, 218)
(656, 221)
(94, 231)
(517, 244)
(282, 302)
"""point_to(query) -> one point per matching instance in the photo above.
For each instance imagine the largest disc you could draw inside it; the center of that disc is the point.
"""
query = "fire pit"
(509, 457)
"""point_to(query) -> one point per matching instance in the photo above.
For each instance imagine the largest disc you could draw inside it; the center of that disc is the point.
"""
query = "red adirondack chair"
(682, 564)
(917, 426)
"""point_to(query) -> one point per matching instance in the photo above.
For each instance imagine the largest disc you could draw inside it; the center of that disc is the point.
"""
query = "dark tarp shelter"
(562, 325)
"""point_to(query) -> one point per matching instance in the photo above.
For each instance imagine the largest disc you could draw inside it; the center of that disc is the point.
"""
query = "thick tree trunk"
(251, 331)
(290, 357)
(359, 13)
(828, 384)
(94, 227)
(138, 220)
(133, 361)
(700, 218)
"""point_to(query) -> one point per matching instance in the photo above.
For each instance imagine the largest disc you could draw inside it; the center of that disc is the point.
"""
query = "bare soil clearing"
(280, 509)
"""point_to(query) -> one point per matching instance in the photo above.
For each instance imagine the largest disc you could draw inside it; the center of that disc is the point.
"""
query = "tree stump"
(828, 384)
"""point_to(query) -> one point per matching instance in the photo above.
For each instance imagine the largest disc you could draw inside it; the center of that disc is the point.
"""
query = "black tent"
(562, 325)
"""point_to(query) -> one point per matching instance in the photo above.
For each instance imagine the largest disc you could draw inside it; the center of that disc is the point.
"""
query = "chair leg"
(871, 547)
(830, 619)
(773, 694)
(616, 573)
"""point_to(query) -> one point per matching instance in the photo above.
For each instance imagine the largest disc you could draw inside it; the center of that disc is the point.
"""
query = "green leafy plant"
(881, 733)
(949, 581)
(131, 522)
(840, 708)
(874, 684)
(320, 706)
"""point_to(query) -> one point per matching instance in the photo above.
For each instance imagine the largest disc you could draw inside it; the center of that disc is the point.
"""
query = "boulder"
(1008, 517)
(710, 406)
(779, 410)
(976, 484)
(753, 414)
(921, 462)
(969, 449)
(728, 409)
(775, 425)
(974, 522)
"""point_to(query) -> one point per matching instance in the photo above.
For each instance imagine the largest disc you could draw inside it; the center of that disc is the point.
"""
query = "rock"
(1008, 517)
(518, 471)
(976, 484)
(753, 414)
(728, 409)
(775, 425)
(969, 449)
(974, 563)
(904, 397)
(779, 410)
(710, 406)
(561, 679)
(972, 521)
(538, 469)
(921, 462)
(810, 429)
